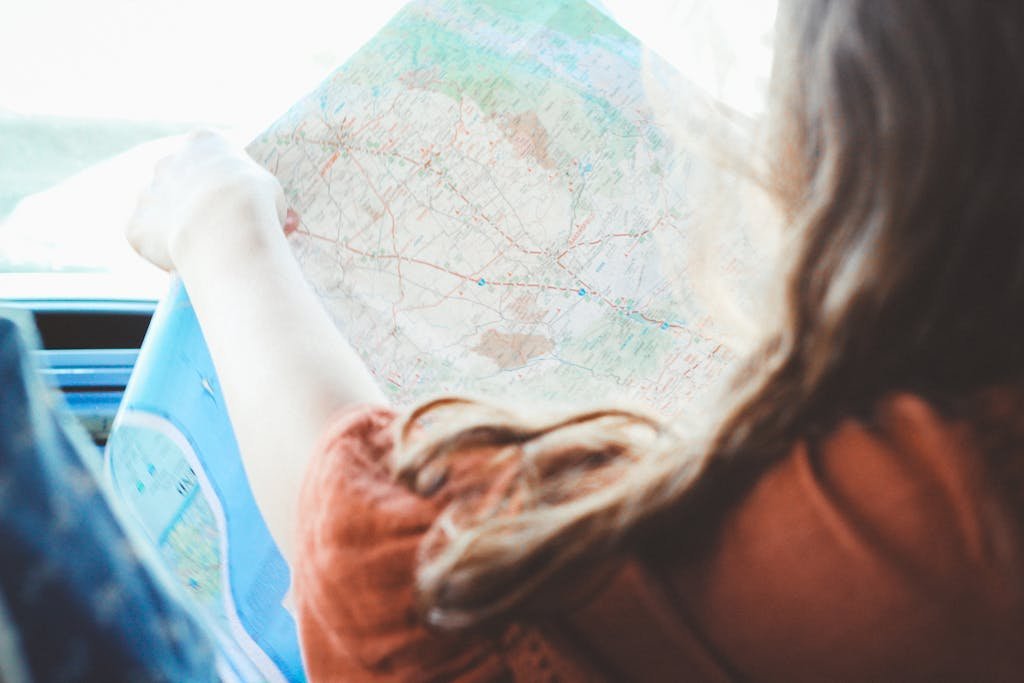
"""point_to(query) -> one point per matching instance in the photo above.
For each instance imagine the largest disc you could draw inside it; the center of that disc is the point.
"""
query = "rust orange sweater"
(885, 554)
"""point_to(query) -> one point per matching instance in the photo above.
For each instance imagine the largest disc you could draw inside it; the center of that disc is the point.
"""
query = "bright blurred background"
(92, 93)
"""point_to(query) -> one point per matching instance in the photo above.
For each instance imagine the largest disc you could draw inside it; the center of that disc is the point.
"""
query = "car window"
(88, 103)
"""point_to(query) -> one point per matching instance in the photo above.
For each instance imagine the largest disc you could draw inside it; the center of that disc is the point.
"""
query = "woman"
(856, 514)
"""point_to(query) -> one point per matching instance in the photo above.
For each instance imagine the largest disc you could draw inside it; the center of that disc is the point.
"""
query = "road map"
(482, 190)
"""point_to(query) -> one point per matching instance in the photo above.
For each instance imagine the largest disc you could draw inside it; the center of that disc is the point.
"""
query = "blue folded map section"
(173, 460)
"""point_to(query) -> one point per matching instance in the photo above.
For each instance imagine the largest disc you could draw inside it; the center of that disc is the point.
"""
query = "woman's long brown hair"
(896, 158)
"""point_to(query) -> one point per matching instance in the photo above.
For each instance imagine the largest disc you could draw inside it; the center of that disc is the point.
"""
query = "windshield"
(92, 94)
(90, 102)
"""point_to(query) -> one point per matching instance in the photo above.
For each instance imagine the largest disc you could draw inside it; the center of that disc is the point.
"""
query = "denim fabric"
(80, 602)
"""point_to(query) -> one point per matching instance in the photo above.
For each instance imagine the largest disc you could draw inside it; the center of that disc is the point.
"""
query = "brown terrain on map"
(529, 137)
(511, 350)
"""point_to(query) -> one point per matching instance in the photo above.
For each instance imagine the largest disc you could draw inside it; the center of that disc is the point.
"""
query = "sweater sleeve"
(359, 532)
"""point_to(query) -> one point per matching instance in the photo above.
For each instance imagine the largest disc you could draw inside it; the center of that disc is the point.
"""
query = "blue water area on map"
(174, 379)
(156, 496)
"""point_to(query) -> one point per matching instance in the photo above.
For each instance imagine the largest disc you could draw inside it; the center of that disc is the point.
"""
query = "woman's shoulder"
(360, 533)
(885, 550)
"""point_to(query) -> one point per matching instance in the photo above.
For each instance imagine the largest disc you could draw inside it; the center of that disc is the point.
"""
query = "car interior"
(88, 106)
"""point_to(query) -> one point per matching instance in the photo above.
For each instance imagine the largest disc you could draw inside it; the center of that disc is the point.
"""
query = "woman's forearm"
(284, 367)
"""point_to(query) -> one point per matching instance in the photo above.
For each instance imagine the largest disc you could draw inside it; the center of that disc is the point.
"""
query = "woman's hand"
(209, 196)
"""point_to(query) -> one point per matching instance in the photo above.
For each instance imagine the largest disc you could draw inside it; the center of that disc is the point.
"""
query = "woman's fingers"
(291, 222)
(210, 191)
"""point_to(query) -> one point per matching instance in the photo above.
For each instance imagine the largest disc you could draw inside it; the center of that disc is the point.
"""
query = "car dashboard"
(88, 350)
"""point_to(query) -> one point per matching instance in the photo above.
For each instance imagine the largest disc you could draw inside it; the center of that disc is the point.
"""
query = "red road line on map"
(656, 293)
(471, 278)
(387, 207)
(600, 240)
(664, 367)
(399, 257)
(614, 306)
(508, 238)
(375, 119)
(394, 234)
(461, 276)
(526, 285)
(427, 166)
(459, 126)
(327, 166)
